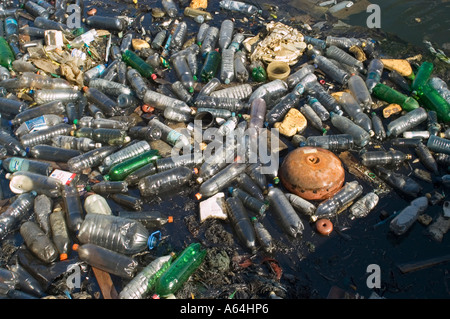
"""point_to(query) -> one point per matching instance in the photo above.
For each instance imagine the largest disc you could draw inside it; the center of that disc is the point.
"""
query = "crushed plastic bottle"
(20, 209)
(407, 216)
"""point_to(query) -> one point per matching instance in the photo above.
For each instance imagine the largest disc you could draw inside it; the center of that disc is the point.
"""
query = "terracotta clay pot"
(312, 173)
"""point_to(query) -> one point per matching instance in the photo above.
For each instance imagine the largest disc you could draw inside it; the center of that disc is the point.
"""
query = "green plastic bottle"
(390, 95)
(432, 100)
(180, 270)
(210, 66)
(6, 54)
(135, 61)
(120, 171)
(259, 74)
(422, 76)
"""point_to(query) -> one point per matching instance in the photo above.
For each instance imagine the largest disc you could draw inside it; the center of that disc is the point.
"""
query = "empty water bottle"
(287, 102)
(254, 204)
(353, 108)
(316, 90)
(60, 232)
(210, 66)
(392, 157)
(426, 158)
(151, 219)
(209, 42)
(270, 92)
(406, 122)
(318, 108)
(45, 136)
(23, 181)
(359, 90)
(170, 7)
(125, 153)
(342, 42)
(14, 164)
(240, 70)
(405, 184)
(284, 212)
(96, 204)
(38, 242)
(334, 142)
(408, 215)
(122, 169)
(227, 66)
(439, 85)
(108, 187)
(331, 69)
(50, 153)
(262, 235)
(330, 207)
(89, 159)
(346, 126)
(75, 143)
(378, 127)
(239, 7)
(169, 135)
(165, 181)
(301, 205)
(374, 72)
(438, 144)
(335, 53)
(363, 206)
(241, 222)
(16, 212)
(43, 206)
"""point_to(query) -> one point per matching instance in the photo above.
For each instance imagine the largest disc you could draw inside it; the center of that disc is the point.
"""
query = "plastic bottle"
(103, 22)
(330, 207)
(101, 100)
(122, 235)
(432, 100)
(120, 171)
(407, 216)
(12, 145)
(169, 135)
(433, 125)
(14, 164)
(287, 102)
(346, 126)
(181, 92)
(60, 232)
(187, 160)
(6, 54)
(210, 66)
(151, 219)
(125, 153)
(107, 260)
(391, 157)
(353, 108)
(221, 180)
(81, 40)
(89, 159)
(378, 127)
(170, 7)
(294, 78)
(422, 76)
(438, 144)
(146, 133)
(16, 212)
(72, 208)
(400, 182)
(284, 212)
(75, 143)
(374, 72)
(301, 205)
(184, 73)
(128, 201)
(334, 142)
(96, 204)
(258, 72)
(241, 222)
(180, 270)
(209, 42)
(257, 114)
(144, 281)
(11, 107)
(226, 103)
(342, 42)
(327, 100)
(43, 206)
(240, 71)
(23, 181)
(108, 187)
(36, 10)
(201, 34)
(50, 153)
(108, 87)
(89, 121)
(439, 85)
(38, 242)
(406, 122)
(239, 7)
(227, 66)
(254, 204)
(17, 276)
(270, 92)
(335, 53)
(318, 108)
(426, 158)
(225, 34)
(228, 127)
(45, 136)
(390, 95)
(358, 88)
(133, 60)
(48, 95)
(262, 235)
(363, 206)
(331, 70)
(164, 181)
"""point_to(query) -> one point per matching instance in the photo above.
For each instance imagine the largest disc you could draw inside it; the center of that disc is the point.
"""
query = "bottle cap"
(230, 190)
(75, 247)
(153, 76)
(198, 196)
(156, 296)
(66, 120)
(85, 88)
(10, 123)
(170, 219)
(191, 89)
(195, 170)
(88, 188)
(63, 257)
(154, 239)
(75, 121)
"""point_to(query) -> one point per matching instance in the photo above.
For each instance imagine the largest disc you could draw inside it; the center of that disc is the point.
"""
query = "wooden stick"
(106, 284)
(413, 266)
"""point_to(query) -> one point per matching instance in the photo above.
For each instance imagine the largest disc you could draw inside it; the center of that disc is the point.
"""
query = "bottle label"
(36, 124)
(87, 37)
(10, 20)
(15, 164)
(173, 137)
(65, 177)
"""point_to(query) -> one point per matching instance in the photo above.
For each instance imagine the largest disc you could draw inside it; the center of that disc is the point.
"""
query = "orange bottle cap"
(170, 219)
(75, 247)
(153, 76)
(63, 257)
(198, 196)
(195, 170)
(85, 88)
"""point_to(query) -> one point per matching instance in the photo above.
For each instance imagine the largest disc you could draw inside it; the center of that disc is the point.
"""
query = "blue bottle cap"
(10, 123)
(269, 185)
(154, 239)
(66, 119)
(301, 144)
(230, 190)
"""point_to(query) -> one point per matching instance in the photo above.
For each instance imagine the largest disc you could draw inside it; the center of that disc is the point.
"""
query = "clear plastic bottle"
(315, 42)
(253, 170)
(217, 161)
(227, 66)
(295, 78)
(38, 242)
(313, 118)
(438, 144)
(317, 91)
(263, 237)
(169, 135)
(144, 281)
(122, 235)
(290, 100)
(331, 69)
(330, 207)
(96, 204)
(240, 92)
(158, 40)
(72, 208)
(125, 153)
(250, 202)
(406, 122)
(363, 206)
(122, 169)
(36, 10)
(335, 53)
(271, 92)
(16, 212)
(182, 93)
(240, 71)
(75, 143)
(170, 7)
(209, 87)
(151, 219)
(209, 41)
(110, 88)
(405, 184)
(359, 90)
(201, 34)
(161, 102)
(284, 212)
(334, 142)
(101, 100)
(226, 103)
(60, 232)
(257, 114)
(342, 42)
(241, 222)
(378, 127)
(180, 112)
(374, 72)
(90, 159)
(165, 181)
(239, 7)
(23, 181)
(433, 125)
(11, 144)
(14, 164)
(400, 81)
(107, 260)
(105, 22)
(221, 180)
(401, 223)
(43, 206)
(225, 34)
(45, 136)
(178, 37)
(128, 201)
(391, 157)
(107, 136)
(426, 158)
(354, 110)
(439, 85)
(52, 153)
(137, 82)
(236, 42)
(346, 126)
(89, 121)
(301, 205)
(11, 107)
(108, 187)
(228, 126)
(318, 108)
